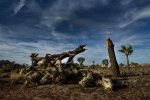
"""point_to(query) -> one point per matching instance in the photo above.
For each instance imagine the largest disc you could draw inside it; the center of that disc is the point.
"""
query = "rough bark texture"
(70, 54)
(113, 61)
(49, 58)
(128, 62)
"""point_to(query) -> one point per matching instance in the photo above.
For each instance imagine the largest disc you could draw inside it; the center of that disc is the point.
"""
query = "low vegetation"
(17, 78)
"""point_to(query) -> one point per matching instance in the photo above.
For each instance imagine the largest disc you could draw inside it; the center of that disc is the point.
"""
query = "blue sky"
(55, 26)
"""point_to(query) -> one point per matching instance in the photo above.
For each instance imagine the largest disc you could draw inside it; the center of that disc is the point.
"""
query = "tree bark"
(70, 54)
(54, 57)
(128, 62)
(112, 56)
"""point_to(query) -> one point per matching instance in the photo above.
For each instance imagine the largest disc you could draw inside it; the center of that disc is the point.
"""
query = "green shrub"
(92, 66)
(48, 70)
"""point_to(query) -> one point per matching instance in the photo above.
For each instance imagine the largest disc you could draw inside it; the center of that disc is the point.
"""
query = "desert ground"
(137, 88)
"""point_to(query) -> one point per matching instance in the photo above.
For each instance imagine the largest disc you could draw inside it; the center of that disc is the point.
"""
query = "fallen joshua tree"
(59, 72)
(50, 60)
(63, 73)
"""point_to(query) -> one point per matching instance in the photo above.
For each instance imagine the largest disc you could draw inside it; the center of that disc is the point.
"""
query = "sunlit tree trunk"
(113, 61)
(128, 62)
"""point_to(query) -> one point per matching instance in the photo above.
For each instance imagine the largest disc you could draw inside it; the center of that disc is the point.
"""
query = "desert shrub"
(4, 75)
(17, 78)
(15, 71)
(103, 71)
(92, 66)
(7, 68)
(97, 65)
(48, 70)
(82, 73)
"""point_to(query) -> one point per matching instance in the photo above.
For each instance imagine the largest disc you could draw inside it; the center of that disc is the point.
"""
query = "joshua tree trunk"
(113, 61)
(128, 62)
(54, 57)
(70, 54)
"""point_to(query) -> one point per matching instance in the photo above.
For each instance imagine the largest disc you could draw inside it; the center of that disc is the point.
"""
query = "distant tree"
(24, 65)
(133, 64)
(27, 65)
(81, 60)
(97, 65)
(127, 51)
(121, 64)
(105, 62)
(93, 62)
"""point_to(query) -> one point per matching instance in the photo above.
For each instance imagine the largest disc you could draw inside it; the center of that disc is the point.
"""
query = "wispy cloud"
(9, 48)
(18, 7)
(126, 2)
(64, 9)
(135, 15)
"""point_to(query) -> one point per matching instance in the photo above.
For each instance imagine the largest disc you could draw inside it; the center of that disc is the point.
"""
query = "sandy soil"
(139, 89)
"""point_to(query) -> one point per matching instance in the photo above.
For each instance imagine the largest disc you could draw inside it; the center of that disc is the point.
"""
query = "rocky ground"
(138, 88)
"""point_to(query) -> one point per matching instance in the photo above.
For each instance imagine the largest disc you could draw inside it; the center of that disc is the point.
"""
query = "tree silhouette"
(81, 60)
(105, 62)
(93, 62)
(127, 51)
(121, 65)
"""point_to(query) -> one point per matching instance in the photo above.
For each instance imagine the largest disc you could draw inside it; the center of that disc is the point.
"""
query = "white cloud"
(64, 9)
(18, 7)
(20, 51)
(104, 2)
(144, 13)
(125, 2)
(135, 15)
(33, 6)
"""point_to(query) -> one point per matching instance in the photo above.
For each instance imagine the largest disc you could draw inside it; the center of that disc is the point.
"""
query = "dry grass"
(17, 78)
(4, 75)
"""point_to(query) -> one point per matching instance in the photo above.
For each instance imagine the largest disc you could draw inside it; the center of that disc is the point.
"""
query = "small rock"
(146, 84)
(134, 81)
(141, 74)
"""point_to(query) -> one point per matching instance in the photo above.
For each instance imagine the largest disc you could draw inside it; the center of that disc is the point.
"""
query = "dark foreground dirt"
(139, 89)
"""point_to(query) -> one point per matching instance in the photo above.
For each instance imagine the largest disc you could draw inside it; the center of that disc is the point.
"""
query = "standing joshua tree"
(81, 60)
(127, 51)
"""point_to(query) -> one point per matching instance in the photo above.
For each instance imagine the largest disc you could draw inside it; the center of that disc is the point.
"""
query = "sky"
(56, 26)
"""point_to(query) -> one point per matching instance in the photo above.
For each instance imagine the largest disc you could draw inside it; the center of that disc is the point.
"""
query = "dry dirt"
(139, 90)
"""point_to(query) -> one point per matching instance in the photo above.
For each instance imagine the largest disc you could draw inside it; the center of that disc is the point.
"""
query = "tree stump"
(112, 57)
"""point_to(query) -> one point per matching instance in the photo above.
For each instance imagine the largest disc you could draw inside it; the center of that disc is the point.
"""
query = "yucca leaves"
(126, 51)
(123, 47)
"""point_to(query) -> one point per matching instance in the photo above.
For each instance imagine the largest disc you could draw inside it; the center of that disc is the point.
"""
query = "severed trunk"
(113, 61)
